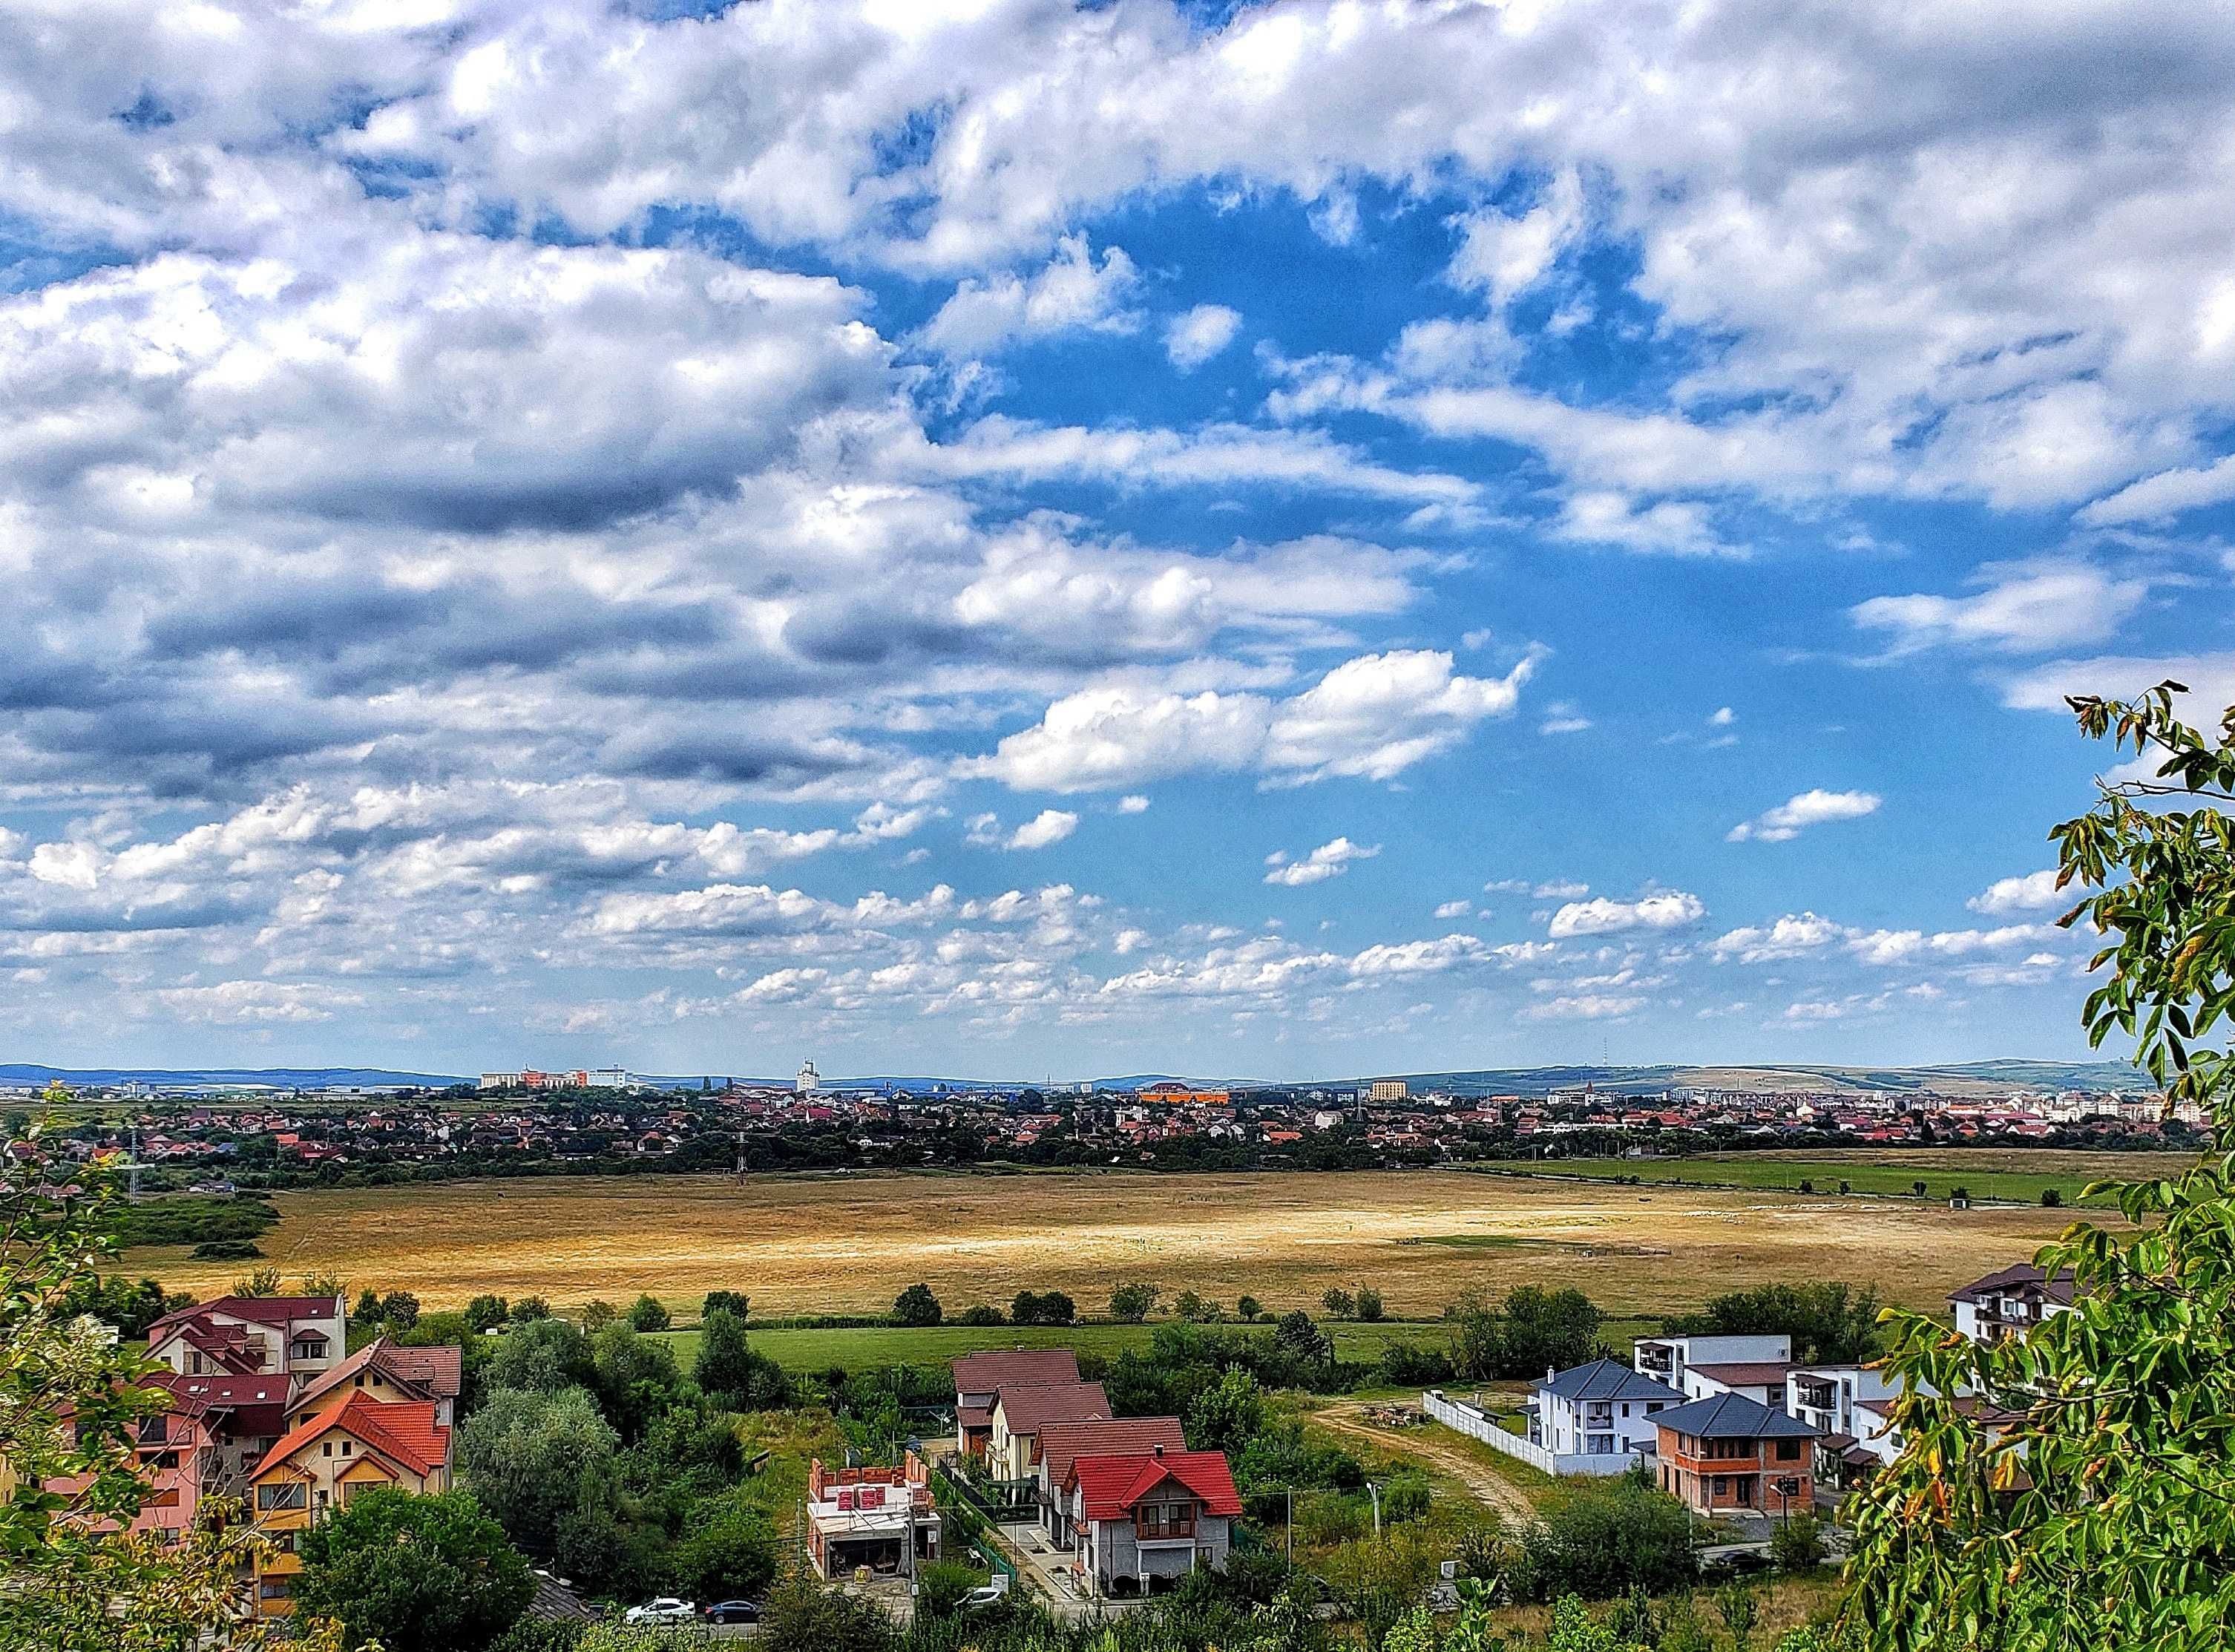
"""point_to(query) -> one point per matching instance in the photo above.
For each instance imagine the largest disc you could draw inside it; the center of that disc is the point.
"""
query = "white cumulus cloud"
(1329, 860)
(1668, 909)
(1796, 814)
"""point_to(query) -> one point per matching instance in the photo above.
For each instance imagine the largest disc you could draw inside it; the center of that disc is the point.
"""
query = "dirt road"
(1489, 1488)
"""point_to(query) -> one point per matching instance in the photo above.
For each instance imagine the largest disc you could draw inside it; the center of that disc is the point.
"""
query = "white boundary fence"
(1472, 1421)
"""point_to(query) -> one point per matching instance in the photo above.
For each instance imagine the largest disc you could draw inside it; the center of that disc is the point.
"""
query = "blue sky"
(1041, 540)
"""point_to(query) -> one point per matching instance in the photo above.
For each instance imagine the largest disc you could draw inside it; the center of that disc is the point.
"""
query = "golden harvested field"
(801, 1244)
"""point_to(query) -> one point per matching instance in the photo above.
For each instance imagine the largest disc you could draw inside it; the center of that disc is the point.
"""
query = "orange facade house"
(1728, 1454)
(327, 1458)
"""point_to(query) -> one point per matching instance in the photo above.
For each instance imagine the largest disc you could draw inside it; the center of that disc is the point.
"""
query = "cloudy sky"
(1033, 539)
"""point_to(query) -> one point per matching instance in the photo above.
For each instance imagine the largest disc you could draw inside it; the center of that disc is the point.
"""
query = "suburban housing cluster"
(1735, 1425)
(266, 1406)
(1131, 1508)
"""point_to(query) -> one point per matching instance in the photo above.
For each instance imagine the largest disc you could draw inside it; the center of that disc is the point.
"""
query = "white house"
(2010, 1302)
(1673, 1359)
(1830, 1396)
(1599, 1411)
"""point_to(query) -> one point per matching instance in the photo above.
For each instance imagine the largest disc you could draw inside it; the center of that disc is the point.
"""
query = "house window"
(277, 1588)
(1600, 1445)
(1788, 1451)
(289, 1495)
(1164, 1520)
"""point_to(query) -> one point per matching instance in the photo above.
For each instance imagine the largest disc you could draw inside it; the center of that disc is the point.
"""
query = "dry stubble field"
(836, 1244)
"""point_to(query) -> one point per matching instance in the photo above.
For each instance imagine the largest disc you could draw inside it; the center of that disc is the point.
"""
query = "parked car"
(734, 1612)
(985, 1595)
(665, 1610)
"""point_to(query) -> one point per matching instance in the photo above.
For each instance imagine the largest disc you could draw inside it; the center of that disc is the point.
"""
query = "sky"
(1036, 541)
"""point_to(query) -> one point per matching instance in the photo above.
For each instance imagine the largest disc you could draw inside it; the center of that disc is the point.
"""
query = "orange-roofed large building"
(1146, 1520)
(328, 1458)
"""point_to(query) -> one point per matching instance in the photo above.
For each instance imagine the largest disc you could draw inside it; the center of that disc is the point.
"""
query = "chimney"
(1157, 1449)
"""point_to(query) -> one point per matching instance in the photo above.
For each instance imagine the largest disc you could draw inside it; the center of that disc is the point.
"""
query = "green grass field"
(1988, 1175)
(868, 1346)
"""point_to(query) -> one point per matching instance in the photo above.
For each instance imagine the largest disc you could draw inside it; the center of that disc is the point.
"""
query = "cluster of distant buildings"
(1735, 1425)
(616, 1119)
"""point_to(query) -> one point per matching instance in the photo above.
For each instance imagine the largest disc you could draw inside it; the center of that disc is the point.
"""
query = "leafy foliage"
(1829, 1323)
(69, 1409)
(916, 1306)
(2075, 1488)
(1533, 1330)
(413, 1574)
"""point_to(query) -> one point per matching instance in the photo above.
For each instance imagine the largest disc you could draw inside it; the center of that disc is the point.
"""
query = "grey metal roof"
(1731, 1416)
(1606, 1379)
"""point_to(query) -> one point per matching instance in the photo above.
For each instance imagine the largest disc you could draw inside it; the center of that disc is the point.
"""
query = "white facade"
(1665, 1358)
(1833, 1398)
(1601, 1412)
(809, 1080)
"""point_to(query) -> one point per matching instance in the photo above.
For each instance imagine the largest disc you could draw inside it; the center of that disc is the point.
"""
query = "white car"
(665, 1610)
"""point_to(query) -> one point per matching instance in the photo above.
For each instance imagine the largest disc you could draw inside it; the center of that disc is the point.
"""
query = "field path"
(1489, 1488)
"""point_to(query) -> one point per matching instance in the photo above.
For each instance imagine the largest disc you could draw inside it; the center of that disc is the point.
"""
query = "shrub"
(1369, 1304)
(1042, 1308)
(1248, 1308)
(529, 1310)
(1603, 1541)
(597, 1314)
(1339, 1303)
(1798, 1545)
(941, 1585)
(916, 1306)
(2051, 1198)
(648, 1313)
(227, 1250)
(982, 1313)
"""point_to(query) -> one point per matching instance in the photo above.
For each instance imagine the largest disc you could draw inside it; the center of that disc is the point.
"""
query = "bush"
(1042, 1308)
(804, 1616)
(648, 1313)
(227, 1250)
(1415, 1365)
(1369, 1304)
(598, 1315)
(1605, 1540)
(916, 1306)
(941, 1585)
(529, 1310)
(487, 1312)
(1249, 1309)
(2050, 1199)
(982, 1313)
(1339, 1303)
(1798, 1545)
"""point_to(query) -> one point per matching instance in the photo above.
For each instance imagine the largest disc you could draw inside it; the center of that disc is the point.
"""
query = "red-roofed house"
(326, 1459)
(1062, 1444)
(245, 1335)
(1147, 1520)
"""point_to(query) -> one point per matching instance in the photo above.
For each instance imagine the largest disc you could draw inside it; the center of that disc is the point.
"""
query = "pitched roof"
(998, 1368)
(260, 1310)
(1113, 1485)
(1029, 1405)
(1063, 1443)
(405, 1430)
(435, 1373)
(1606, 1379)
(1745, 1374)
(1733, 1416)
(2018, 1276)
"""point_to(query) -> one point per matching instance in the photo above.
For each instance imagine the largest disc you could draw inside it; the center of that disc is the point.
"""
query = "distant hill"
(1960, 1079)
(17, 1073)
